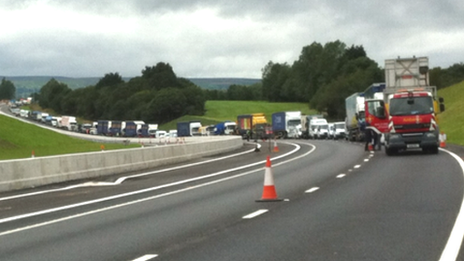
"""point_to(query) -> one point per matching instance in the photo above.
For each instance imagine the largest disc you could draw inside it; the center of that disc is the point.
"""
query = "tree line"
(323, 76)
(157, 96)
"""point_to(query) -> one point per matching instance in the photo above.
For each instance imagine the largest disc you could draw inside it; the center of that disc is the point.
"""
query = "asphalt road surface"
(338, 203)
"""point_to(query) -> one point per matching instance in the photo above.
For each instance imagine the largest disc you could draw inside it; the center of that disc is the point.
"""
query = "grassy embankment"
(19, 139)
(451, 121)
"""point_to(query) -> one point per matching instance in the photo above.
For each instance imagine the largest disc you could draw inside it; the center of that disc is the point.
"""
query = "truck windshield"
(294, 122)
(411, 106)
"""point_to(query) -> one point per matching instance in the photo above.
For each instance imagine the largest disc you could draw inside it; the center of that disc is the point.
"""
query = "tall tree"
(274, 77)
(52, 93)
(7, 90)
(109, 80)
(160, 76)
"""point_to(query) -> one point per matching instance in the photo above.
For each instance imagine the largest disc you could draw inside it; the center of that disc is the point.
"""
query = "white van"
(331, 132)
(323, 131)
(339, 130)
(313, 127)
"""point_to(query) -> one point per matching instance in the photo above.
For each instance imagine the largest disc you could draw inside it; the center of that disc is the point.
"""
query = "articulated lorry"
(407, 114)
(256, 124)
(355, 117)
(188, 128)
(225, 128)
(286, 124)
(68, 123)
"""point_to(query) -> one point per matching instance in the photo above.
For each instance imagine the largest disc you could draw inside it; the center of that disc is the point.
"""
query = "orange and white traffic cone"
(442, 138)
(269, 191)
(33, 154)
(276, 149)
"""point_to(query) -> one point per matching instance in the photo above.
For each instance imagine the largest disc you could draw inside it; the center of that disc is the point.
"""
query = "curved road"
(340, 203)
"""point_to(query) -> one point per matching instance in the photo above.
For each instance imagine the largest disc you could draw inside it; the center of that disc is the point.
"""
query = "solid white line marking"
(144, 199)
(311, 190)
(255, 214)
(145, 257)
(341, 176)
(454, 243)
(357, 166)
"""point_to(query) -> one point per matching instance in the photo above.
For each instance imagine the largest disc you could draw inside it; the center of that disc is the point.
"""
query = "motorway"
(338, 203)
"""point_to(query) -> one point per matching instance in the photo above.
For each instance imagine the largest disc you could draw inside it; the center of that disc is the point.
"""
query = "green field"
(19, 140)
(451, 121)
(218, 111)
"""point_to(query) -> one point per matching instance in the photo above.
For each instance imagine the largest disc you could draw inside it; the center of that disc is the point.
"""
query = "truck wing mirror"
(442, 107)
(441, 100)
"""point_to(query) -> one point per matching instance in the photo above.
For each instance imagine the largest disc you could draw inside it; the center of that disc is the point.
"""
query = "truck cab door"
(376, 115)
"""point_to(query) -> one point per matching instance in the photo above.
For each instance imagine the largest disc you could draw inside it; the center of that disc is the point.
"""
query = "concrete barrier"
(38, 171)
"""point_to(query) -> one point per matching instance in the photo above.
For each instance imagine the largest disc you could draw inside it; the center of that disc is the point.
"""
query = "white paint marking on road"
(311, 190)
(366, 160)
(145, 257)
(454, 243)
(341, 176)
(135, 201)
(255, 214)
(357, 166)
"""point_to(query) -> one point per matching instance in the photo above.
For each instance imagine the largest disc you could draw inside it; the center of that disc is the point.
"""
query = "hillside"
(25, 85)
(452, 119)
(222, 83)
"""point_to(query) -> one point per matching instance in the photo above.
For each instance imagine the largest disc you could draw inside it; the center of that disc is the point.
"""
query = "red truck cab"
(408, 120)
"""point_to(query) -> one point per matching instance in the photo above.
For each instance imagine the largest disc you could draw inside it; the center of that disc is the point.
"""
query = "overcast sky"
(216, 38)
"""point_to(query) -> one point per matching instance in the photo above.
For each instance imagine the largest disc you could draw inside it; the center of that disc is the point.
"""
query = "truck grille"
(413, 126)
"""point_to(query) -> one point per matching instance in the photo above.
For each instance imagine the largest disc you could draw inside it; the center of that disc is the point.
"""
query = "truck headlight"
(430, 135)
(395, 136)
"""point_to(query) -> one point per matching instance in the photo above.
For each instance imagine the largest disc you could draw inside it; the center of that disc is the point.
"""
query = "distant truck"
(115, 128)
(152, 129)
(103, 127)
(355, 117)
(225, 128)
(68, 123)
(255, 124)
(286, 124)
(133, 128)
(407, 115)
(305, 120)
(188, 128)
